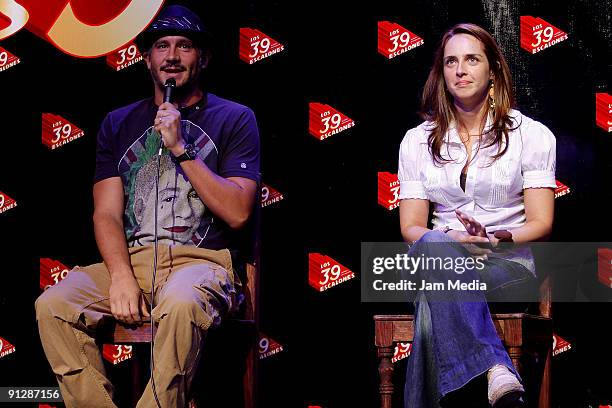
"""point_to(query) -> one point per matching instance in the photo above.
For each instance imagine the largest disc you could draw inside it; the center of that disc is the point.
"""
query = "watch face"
(191, 151)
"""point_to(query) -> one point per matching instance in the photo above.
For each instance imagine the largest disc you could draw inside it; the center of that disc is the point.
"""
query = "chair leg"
(385, 371)
(249, 379)
(544, 401)
(137, 388)
(515, 353)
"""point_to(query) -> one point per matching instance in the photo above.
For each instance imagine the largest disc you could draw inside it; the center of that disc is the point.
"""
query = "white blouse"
(493, 192)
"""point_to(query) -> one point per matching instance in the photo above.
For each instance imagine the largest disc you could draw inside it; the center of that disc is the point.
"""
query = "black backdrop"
(329, 186)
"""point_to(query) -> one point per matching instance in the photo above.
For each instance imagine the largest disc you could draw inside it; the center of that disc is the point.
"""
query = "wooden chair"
(246, 325)
(523, 335)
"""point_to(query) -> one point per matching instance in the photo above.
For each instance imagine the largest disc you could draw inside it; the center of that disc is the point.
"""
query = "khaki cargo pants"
(194, 289)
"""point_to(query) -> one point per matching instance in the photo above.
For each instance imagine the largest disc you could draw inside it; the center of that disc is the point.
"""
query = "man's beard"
(180, 90)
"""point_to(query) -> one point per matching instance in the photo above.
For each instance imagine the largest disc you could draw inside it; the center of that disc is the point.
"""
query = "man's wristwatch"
(190, 153)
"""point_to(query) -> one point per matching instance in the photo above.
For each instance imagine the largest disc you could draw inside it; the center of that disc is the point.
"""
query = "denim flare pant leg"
(454, 339)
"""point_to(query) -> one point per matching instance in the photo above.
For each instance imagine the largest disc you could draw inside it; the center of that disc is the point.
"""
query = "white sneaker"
(504, 389)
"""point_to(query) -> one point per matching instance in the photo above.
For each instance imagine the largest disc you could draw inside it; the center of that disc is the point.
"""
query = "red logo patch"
(268, 347)
(6, 202)
(604, 266)
(326, 121)
(7, 60)
(124, 57)
(255, 45)
(57, 131)
(603, 111)
(561, 189)
(537, 34)
(560, 345)
(394, 40)
(324, 272)
(6, 348)
(269, 195)
(402, 351)
(116, 353)
(51, 272)
(388, 190)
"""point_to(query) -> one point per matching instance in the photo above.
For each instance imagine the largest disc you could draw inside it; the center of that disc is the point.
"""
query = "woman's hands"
(472, 226)
(474, 234)
(470, 242)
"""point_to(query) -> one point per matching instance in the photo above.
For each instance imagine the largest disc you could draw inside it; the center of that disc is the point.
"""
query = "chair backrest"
(251, 293)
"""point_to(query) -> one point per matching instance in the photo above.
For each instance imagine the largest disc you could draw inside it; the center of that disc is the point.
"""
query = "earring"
(492, 96)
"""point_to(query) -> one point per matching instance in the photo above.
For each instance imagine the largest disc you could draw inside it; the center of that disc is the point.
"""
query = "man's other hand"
(128, 304)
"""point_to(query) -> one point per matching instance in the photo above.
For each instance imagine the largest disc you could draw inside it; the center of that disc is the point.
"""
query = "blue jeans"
(455, 340)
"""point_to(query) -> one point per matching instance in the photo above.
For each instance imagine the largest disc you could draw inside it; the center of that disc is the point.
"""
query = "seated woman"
(490, 173)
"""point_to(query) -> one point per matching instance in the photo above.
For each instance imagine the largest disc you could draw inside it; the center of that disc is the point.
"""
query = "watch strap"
(189, 154)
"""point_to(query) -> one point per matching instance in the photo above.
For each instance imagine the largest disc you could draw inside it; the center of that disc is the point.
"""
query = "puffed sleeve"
(539, 156)
(408, 173)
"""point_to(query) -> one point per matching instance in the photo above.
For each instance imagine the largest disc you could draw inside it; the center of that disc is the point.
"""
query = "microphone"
(168, 87)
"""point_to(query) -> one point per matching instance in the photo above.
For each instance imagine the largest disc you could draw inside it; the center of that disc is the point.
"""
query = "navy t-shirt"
(226, 136)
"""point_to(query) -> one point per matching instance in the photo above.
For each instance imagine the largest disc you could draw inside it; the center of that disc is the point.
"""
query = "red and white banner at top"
(83, 29)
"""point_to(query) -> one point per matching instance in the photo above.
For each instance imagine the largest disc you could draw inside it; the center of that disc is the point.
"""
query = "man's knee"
(56, 302)
(48, 301)
(186, 309)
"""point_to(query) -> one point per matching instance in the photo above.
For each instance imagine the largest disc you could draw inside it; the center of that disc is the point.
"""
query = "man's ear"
(147, 57)
(204, 58)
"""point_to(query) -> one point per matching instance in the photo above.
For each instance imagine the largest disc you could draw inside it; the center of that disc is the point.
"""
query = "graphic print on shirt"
(182, 217)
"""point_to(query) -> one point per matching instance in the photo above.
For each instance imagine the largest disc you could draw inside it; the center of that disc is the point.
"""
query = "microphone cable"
(152, 368)
(168, 87)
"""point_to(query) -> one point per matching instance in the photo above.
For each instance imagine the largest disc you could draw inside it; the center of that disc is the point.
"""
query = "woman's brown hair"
(437, 102)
